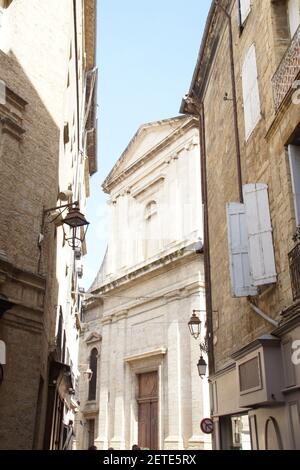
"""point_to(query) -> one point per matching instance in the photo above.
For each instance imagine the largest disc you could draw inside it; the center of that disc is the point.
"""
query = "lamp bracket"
(63, 206)
(204, 345)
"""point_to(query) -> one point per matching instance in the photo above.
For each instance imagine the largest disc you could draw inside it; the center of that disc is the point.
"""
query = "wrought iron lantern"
(78, 227)
(202, 367)
(195, 330)
(195, 325)
(75, 220)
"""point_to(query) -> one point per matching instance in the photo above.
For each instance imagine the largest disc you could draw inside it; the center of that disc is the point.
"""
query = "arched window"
(151, 209)
(93, 381)
(151, 230)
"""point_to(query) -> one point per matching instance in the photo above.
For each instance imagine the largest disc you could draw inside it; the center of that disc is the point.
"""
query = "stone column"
(103, 425)
(118, 439)
(174, 438)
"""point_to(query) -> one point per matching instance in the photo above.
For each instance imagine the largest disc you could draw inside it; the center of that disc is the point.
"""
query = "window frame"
(250, 92)
(242, 20)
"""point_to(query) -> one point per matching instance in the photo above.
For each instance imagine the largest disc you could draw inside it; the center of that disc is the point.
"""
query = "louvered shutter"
(251, 98)
(1, 18)
(293, 15)
(294, 158)
(238, 251)
(245, 7)
(261, 251)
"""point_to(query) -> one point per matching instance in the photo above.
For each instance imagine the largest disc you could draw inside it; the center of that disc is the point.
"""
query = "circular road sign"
(207, 425)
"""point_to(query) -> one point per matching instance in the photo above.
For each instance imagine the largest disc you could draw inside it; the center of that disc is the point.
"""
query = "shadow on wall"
(29, 150)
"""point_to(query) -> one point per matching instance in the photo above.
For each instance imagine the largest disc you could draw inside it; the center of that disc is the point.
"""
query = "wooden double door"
(148, 410)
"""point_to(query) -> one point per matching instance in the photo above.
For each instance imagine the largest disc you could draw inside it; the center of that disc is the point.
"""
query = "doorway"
(148, 410)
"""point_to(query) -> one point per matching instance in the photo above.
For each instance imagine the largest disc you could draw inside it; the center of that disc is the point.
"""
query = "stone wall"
(263, 159)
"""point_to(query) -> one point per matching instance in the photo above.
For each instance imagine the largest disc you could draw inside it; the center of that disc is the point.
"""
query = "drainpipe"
(234, 100)
(77, 96)
(263, 315)
(208, 296)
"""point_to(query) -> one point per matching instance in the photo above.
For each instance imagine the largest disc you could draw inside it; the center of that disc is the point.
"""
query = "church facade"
(139, 381)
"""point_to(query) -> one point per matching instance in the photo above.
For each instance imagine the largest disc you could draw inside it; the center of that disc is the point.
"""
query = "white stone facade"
(143, 296)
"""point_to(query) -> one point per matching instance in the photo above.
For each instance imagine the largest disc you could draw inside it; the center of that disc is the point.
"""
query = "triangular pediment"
(93, 338)
(147, 138)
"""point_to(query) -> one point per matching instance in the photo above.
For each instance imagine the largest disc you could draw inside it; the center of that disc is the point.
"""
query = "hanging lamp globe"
(195, 325)
(202, 366)
(78, 227)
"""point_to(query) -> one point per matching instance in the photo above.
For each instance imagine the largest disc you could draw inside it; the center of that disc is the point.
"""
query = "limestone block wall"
(37, 161)
(153, 335)
(263, 159)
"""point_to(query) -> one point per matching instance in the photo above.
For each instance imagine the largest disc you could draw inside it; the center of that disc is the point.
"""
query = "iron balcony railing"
(294, 261)
(288, 69)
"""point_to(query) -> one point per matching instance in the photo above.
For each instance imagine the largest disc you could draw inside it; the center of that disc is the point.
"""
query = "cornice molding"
(9, 126)
(146, 355)
(264, 341)
(158, 263)
(93, 338)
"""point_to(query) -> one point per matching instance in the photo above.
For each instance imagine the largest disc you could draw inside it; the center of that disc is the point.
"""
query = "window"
(251, 252)
(59, 334)
(244, 10)
(4, 4)
(1, 21)
(293, 12)
(1, 15)
(251, 99)
(294, 158)
(93, 381)
(151, 209)
(152, 233)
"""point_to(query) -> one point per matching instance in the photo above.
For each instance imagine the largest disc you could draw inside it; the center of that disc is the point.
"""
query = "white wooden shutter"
(245, 8)
(261, 251)
(1, 17)
(238, 251)
(251, 98)
(294, 157)
(293, 15)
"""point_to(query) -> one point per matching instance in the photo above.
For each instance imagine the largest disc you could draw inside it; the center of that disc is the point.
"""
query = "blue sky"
(146, 54)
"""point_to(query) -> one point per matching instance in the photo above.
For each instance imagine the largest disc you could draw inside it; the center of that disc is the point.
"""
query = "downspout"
(207, 267)
(77, 96)
(234, 99)
(263, 315)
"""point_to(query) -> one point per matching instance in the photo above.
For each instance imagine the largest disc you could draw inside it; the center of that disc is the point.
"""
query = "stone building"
(47, 154)
(145, 386)
(248, 70)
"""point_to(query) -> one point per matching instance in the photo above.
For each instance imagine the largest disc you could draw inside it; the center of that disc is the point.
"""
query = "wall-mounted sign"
(207, 425)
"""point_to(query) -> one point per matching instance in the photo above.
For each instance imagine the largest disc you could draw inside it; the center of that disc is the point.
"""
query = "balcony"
(294, 261)
(287, 71)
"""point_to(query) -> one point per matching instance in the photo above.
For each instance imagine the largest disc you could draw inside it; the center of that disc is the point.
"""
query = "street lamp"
(195, 325)
(195, 330)
(202, 366)
(74, 219)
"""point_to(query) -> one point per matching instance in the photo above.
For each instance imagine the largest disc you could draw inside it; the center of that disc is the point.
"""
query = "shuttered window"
(244, 10)
(251, 250)
(294, 158)
(259, 228)
(252, 112)
(241, 281)
(293, 15)
(1, 17)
